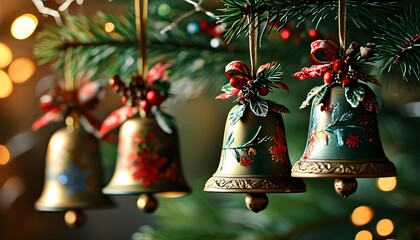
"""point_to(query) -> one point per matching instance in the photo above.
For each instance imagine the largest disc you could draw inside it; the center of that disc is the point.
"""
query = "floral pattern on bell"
(147, 161)
(74, 178)
(279, 150)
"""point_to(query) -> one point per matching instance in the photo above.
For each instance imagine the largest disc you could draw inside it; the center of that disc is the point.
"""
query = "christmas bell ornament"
(73, 180)
(148, 161)
(254, 158)
(343, 137)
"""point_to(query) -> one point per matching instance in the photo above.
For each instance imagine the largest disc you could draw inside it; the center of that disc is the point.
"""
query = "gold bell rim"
(260, 184)
(362, 168)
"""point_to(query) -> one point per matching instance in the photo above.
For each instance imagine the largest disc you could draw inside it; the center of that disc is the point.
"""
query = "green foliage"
(354, 94)
(398, 39)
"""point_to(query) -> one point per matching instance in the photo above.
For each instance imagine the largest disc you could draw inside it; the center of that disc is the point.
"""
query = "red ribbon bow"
(158, 72)
(59, 102)
(323, 54)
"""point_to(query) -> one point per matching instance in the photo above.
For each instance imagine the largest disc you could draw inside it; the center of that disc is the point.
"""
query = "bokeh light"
(363, 235)
(109, 27)
(361, 215)
(24, 26)
(6, 86)
(385, 227)
(164, 10)
(4, 155)
(6, 55)
(21, 69)
(387, 184)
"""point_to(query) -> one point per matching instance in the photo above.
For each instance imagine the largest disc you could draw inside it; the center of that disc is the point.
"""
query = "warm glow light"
(363, 235)
(4, 155)
(5, 55)
(109, 27)
(384, 227)
(24, 26)
(361, 215)
(21, 69)
(387, 184)
(6, 86)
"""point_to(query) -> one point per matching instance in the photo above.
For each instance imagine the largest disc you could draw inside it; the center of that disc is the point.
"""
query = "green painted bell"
(254, 160)
(148, 163)
(344, 143)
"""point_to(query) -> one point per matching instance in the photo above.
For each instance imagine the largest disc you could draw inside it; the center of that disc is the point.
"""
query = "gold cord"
(342, 23)
(141, 7)
(253, 42)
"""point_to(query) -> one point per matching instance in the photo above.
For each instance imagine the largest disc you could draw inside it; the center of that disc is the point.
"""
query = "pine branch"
(398, 42)
(282, 12)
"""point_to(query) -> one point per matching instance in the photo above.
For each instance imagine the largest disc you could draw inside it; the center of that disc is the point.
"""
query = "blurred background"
(380, 209)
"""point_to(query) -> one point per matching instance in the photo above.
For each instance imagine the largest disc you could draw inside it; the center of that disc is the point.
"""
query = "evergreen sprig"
(282, 12)
(398, 42)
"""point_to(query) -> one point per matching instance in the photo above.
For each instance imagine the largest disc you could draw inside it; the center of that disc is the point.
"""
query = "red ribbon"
(323, 54)
(159, 72)
(59, 102)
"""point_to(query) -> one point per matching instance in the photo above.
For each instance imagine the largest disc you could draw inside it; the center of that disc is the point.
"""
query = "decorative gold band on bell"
(148, 163)
(73, 180)
(255, 160)
(343, 143)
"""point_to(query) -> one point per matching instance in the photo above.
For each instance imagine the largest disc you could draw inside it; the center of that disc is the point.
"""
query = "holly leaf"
(227, 95)
(227, 88)
(320, 96)
(165, 121)
(278, 108)
(319, 90)
(354, 94)
(236, 114)
(259, 107)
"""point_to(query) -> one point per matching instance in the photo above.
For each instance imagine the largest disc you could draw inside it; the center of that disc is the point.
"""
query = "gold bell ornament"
(254, 158)
(343, 137)
(148, 161)
(73, 178)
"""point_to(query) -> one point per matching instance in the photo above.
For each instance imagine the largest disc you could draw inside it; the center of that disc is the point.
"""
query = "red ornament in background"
(286, 34)
(314, 34)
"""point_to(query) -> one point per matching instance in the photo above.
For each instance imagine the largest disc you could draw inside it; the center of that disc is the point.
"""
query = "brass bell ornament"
(73, 180)
(343, 138)
(254, 157)
(148, 164)
(148, 161)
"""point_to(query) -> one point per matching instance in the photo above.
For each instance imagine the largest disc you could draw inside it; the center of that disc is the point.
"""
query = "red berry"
(285, 34)
(338, 65)
(154, 97)
(237, 82)
(115, 82)
(328, 76)
(124, 99)
(145, 106)
(345, 80)
(263, 91)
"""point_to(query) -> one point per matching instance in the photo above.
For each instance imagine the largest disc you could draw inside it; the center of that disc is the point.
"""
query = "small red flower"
(245, 161)
(353, 141)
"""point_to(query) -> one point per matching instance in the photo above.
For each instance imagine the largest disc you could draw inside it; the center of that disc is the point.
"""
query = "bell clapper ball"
(345, 186)
(256, 201)
(75, 218)
(147, 203)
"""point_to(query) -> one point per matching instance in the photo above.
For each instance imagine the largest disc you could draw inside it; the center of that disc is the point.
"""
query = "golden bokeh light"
(21, 69)
(6, 55)
(363, 235)
(385, 227)
(24, 26)
(4, 155)
(387, 184)
(6, 86)
(361, 215)
(109, 27)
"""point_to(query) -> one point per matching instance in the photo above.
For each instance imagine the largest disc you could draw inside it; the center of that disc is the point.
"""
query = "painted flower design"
(353, 141)
(245, 161)
(279, 150)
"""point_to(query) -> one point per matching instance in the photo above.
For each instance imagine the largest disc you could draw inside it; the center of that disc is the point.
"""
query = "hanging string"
(253, 41)
(342, 23)
(141, 7)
